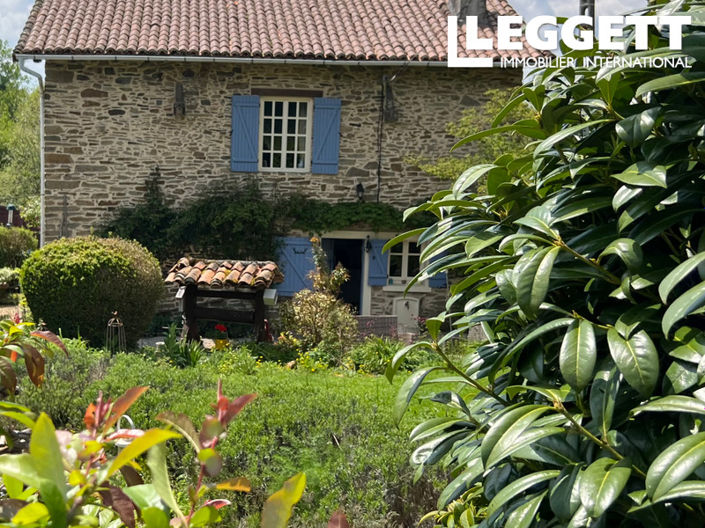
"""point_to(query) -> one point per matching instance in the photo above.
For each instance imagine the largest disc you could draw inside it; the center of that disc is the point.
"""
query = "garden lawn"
(337, 428)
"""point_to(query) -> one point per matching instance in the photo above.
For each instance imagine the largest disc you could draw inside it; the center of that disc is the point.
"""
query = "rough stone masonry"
(108, 124)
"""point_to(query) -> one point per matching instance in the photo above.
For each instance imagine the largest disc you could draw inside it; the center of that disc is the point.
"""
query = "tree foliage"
(19, 137)
(584, 265)
(486, 150)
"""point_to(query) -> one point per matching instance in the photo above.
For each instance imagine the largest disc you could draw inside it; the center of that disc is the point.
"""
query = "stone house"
(321, 97)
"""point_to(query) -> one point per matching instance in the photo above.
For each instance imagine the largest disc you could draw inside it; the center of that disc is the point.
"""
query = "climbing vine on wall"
(243, 223)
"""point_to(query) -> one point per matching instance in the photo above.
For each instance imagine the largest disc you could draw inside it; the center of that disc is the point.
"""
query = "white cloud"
(14, 15)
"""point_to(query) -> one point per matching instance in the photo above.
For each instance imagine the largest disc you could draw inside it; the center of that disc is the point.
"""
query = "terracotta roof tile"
(409, 30)
(218, 274)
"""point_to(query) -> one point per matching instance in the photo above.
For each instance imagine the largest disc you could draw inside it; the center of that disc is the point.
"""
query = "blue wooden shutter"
(295, 261)
(326, 135)
(439, 280)
(377, 274)
(244, 145)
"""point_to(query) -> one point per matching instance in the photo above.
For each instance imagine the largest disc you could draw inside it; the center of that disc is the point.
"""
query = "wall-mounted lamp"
(368, 244)
(360, 190)
(179, 101)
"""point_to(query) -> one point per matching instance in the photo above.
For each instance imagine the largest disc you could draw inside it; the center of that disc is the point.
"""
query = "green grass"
(335, 427)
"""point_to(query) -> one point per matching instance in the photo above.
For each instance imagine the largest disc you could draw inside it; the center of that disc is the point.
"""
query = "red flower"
(221, 328)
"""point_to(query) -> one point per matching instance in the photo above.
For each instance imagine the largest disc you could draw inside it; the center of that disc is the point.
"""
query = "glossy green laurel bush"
(75, 284)
(583, 263)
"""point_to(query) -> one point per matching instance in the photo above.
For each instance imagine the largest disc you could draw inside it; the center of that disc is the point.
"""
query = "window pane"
(302, 126)
(291, 126)
(292, 108)
(266, 159)
(267, 143)
(267, 126)
(278, 108)
(395, 265)
(302, 109)
(277, 126)
(289, 161)
(290, 141)
(399, 248)
(413, 265)
(277, 160)
(300, 161)
(414, 248)
(268, 108)
(301, 145)
(277, 142)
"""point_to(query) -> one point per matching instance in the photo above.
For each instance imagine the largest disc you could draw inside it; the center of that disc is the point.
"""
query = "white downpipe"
(42, 222)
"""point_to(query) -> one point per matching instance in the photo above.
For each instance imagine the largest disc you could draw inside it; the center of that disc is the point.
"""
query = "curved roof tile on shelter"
(364, 30)
(224, 274)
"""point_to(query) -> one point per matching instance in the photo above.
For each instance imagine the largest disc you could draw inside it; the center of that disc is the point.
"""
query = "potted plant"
(221, 336)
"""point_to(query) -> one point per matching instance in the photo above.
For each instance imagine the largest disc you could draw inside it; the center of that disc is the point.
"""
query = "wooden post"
(259, 316)
(190, 330)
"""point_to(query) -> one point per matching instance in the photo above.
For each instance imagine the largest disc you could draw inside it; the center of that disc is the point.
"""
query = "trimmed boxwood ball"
(74, 285)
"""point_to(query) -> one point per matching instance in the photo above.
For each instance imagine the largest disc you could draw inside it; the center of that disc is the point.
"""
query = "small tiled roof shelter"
(224, 279)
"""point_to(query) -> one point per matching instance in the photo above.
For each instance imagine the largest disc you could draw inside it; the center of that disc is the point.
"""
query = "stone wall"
(431, 302)
(107, 125)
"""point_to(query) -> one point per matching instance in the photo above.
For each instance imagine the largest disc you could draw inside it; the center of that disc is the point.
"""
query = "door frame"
(366, 300)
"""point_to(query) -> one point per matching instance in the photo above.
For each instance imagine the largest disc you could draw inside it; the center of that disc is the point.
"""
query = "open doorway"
(349, 253)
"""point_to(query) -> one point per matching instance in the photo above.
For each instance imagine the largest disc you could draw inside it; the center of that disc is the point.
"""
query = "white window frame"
(309, 135)
(404, 278)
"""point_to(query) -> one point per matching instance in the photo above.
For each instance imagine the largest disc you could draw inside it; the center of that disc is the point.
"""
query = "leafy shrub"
(337, 429)
(238, 360)
(241, 224)
(75, 284)
(16, 243)
(277, 353)
(318, 318)
(179, 352)
(585, 407)
(9, 281)
(374, 354)
(62, 395)
(72, 479)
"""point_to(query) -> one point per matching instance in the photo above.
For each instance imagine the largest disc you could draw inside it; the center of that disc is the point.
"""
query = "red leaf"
(122, 404)
(210, 430)
(131, 476)
(89, 417)
(338, 520)
(8, 377)
(125, 433)
(236, 406)
(35, 365)
(116, 499)
(217, 503)
(51, 337)
(13, 356)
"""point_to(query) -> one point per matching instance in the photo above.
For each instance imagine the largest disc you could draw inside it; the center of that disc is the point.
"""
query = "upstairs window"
(282, 133)
(285, 142)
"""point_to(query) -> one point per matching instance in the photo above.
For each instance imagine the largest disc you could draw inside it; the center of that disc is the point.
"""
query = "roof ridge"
(413, 31)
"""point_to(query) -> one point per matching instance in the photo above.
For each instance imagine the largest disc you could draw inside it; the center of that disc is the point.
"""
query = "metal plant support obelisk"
(115, 335)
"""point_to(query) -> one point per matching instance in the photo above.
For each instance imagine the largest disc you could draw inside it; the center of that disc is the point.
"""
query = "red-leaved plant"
(70, 479)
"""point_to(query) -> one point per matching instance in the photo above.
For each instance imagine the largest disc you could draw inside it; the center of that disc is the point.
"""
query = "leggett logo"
(577, 33)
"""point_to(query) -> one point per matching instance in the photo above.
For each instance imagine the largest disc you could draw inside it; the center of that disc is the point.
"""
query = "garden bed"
(336, 426)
